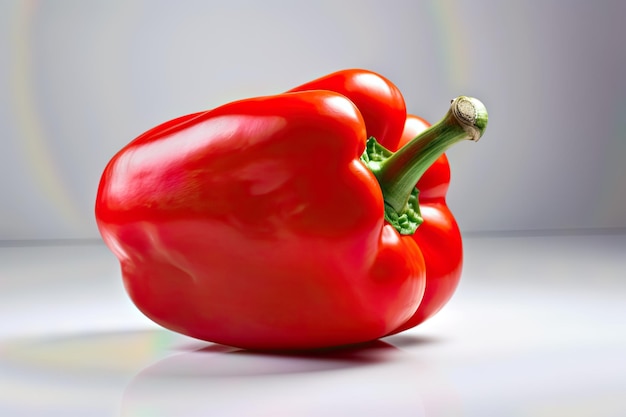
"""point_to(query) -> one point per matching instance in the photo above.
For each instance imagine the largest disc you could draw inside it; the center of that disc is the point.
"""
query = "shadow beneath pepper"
(159, 352)
(227, 379)
(407, 340)
(153, 369)
(233, 382)
(162, 352)
(217, 361)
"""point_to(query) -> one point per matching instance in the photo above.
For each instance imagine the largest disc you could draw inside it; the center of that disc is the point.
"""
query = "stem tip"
(471, 114)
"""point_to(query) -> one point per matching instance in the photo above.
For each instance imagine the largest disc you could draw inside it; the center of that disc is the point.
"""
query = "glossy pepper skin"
(438, 236)
(384, 111)
(257, 225)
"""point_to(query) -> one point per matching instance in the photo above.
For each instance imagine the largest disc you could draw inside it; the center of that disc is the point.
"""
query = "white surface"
(536, 329)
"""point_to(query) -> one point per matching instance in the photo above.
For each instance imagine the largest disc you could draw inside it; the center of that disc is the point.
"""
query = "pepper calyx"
(407, 220)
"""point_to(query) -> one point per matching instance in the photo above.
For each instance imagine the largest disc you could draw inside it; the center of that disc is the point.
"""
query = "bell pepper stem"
(398, 172)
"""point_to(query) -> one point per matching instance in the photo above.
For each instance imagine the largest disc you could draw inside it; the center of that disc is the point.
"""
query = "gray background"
(80, 79)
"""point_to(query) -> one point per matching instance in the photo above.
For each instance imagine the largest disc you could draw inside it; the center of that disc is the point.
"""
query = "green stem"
(398, 172)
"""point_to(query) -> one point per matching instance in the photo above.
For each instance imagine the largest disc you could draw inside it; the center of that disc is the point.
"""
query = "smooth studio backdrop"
(81, 79)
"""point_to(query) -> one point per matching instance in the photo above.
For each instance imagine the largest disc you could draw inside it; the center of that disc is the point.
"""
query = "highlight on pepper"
(309, 219)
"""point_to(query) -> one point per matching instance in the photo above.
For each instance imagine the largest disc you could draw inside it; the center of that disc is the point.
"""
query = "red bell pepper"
(275, 223)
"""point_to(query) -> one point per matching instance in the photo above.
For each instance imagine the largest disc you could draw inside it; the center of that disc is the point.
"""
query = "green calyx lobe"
(407, 220)
(398, 172)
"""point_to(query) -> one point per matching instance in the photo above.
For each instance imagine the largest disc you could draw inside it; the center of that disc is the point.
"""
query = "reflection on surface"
(369, 380)
(216, 361)
(61, 374)
(536, 329)
(90, 354)
(159, 373)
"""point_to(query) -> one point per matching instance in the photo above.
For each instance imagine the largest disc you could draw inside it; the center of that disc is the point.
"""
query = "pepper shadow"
(408, 340)
(218, 361)
(233, 381)
(211, 375)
